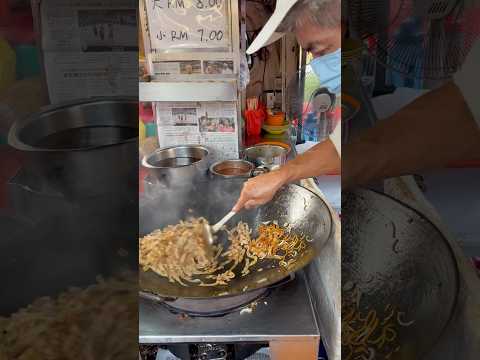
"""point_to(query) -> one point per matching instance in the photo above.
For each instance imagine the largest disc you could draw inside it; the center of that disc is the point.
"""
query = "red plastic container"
(145, 111)
(16, 26)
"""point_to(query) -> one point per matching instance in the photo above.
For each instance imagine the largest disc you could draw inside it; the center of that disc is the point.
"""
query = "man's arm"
(433, 131)
(321, 159)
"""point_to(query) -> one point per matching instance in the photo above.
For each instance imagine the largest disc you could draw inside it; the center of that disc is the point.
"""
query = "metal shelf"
(188, 91)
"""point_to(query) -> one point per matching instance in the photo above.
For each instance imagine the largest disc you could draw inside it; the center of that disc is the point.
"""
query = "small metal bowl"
(232, 169)
(269, 156)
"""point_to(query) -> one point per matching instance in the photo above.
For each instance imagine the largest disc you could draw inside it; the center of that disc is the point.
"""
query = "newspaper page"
(89, 47)
(213, 124)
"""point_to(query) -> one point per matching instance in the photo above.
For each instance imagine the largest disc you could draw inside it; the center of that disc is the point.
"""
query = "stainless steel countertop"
(287, 314)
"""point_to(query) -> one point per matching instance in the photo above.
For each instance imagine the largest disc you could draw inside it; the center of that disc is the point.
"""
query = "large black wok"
(295, 205)
(394, 255)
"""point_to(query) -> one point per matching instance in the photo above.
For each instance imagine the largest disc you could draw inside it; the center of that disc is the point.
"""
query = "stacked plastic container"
(19, 57)
(148, 129)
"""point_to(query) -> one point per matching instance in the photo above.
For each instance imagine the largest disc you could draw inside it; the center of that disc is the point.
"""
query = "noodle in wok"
(369, 335)
(178, 252)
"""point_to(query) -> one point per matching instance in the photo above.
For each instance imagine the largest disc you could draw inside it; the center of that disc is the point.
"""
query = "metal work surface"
(305, 211)
(287, 314)
(324, 280)
(394, 255)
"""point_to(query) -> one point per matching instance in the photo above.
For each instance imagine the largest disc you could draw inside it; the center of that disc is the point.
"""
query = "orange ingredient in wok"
(275, 242)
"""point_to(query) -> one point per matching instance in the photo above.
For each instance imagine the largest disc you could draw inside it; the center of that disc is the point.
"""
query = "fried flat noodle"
(178, 252)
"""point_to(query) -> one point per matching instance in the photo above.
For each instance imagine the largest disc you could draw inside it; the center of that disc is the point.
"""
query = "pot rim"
(146, 158)
(283, 150)
(15, 142)
(249, 163)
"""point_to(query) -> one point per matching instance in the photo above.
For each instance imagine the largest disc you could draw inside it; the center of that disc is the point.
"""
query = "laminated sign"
(188, 24)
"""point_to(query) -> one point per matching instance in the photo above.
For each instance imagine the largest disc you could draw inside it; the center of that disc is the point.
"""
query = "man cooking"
(435, 130)
(317, 26)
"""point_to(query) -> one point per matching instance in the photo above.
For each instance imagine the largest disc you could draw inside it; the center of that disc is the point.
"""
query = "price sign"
(188, 24)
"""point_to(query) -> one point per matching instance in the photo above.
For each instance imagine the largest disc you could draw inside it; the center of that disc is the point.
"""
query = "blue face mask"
(328, 69)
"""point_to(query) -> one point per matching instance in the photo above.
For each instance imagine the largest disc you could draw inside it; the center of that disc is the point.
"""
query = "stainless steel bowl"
(269, 156)
(232, 169)
(83, 147)
(178, 165)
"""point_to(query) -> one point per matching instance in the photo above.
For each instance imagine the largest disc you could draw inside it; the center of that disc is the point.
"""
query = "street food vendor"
(435, 130)
(317, 26)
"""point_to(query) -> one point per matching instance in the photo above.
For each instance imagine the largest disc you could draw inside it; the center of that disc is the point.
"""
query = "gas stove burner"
(212, 307)
(210, 351)
(215, 306)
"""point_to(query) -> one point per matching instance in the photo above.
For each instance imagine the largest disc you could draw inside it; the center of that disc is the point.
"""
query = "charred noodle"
(177, 252)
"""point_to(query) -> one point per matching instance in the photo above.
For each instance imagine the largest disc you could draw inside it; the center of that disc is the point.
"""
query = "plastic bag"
(244, 72)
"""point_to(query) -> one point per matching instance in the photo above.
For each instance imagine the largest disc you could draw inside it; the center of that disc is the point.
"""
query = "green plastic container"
(151, 129)
(28, 64)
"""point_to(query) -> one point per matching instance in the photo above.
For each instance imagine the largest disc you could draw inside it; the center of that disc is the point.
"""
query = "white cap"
(269, 33)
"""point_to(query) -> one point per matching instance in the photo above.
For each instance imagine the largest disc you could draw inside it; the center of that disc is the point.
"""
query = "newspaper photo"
(218, 67)
(88, 47)
(178, 67)
(211, 124)
(185, 116)
(107, 30)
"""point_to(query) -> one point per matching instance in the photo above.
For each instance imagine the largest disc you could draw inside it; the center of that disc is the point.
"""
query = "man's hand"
(260, 190)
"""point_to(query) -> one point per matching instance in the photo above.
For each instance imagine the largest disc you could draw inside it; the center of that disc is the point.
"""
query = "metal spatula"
(208, 230)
